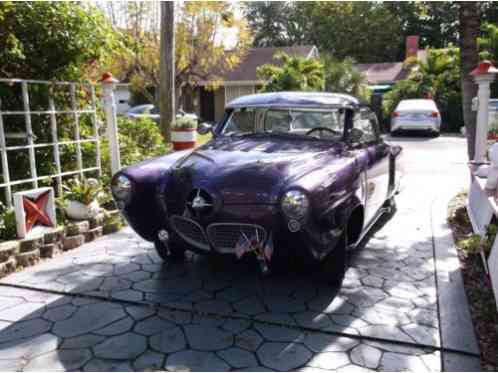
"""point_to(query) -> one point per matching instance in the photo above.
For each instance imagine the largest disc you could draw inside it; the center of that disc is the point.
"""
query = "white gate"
(53, 109)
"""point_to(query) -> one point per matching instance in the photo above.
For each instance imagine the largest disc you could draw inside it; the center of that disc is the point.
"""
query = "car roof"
(296, 99)
(141, 107)
(417, 104)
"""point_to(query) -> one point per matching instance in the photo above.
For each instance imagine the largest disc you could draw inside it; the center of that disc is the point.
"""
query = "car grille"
(224, 236)
(190, 231)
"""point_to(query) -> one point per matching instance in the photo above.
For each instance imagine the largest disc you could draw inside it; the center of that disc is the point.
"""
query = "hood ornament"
(199, 203)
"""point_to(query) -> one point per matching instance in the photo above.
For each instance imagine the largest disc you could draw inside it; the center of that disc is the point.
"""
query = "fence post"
(483, 75)
(108, 83)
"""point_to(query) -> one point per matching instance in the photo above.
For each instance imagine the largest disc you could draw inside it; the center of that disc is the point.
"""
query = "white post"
(484, 74)
(108, 83)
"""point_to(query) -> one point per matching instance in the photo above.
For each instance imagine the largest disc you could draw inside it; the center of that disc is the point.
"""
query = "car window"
(142, 109)
(154, 110)
(303, 121)
(364, 125)
(240, 122)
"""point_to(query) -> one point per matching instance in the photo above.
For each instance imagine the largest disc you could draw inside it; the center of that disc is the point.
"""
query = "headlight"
(295, 204)
(121, 187)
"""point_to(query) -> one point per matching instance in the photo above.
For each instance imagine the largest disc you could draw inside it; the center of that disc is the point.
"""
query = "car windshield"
(142, 109)
(327, 124)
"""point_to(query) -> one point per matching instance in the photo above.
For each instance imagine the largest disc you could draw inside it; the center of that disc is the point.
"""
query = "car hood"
(252, 170)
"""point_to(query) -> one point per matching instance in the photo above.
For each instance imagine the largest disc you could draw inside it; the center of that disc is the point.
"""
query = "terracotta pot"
(492, 136)
(183, 138)
(78, 211)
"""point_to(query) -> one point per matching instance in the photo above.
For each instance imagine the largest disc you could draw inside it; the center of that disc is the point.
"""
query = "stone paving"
(198, 316)
(43, 331)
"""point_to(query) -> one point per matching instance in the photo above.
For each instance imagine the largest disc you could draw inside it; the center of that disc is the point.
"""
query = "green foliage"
(471, 245)
(8, 227)
(139, 139)
(185, 122)
(438, 78)
(344, 77)
(53, 40)
(339, 28)
(474, 244)
(292, 74)
(85, 191)
(488, 42)
(276, 23)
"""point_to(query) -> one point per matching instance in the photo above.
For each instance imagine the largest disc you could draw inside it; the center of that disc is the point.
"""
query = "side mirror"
(204, 128)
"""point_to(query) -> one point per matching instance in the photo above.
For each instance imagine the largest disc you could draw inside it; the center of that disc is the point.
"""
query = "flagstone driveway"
(114, 305)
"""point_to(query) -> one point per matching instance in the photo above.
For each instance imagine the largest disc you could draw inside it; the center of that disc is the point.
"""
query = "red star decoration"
(35, 211)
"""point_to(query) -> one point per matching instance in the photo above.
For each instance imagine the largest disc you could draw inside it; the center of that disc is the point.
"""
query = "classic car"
(288, 176)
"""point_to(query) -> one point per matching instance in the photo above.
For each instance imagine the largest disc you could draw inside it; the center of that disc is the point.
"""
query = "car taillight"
(434, 114)
(395, 114)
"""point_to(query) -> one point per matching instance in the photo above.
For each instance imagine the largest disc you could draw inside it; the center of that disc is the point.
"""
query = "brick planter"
(54, 236)
(50, 250)
(31, 244)
(28, 258)
(8, 250)
(8, 267)
(72, 242)
(93, 234)
(74, 228)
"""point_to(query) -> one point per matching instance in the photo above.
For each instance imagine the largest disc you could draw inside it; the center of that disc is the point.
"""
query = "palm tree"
(469, 17)
(292, 74)
(344, 77)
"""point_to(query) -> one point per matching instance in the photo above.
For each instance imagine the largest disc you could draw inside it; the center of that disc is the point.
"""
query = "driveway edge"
(455, 322)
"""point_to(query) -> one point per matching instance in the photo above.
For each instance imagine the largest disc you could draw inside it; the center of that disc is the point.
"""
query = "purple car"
(288, 177)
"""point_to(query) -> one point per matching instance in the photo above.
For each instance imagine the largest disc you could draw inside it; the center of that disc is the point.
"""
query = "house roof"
(296, 100)
(382, 73)
(245, 72)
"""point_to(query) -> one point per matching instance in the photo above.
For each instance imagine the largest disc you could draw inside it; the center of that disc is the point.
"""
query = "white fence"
(56, 111)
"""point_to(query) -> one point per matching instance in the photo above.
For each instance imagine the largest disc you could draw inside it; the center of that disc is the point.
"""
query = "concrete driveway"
(113, 305)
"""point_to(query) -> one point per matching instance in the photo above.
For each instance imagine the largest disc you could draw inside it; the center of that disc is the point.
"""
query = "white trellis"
(52, 111)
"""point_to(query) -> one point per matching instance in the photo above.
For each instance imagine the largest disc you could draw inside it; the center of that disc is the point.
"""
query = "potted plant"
(81, 198)
(183, 132)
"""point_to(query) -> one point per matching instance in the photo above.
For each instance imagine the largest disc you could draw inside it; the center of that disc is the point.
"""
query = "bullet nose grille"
(190, 231)
(224, 236)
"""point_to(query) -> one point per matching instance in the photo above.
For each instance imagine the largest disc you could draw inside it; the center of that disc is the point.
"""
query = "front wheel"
(335, 263)
(176, 251)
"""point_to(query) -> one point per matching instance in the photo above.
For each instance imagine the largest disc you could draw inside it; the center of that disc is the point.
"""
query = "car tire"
(435, 134)
(176, 251)
(335, 263)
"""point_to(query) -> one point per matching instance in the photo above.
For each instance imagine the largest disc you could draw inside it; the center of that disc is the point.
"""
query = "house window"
(236, 91)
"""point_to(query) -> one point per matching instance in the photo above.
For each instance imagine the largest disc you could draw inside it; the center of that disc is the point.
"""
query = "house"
(382, 76)
(242, 80)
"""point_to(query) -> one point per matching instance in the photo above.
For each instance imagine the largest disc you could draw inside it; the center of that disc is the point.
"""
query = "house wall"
(122, 96)
(219, 103)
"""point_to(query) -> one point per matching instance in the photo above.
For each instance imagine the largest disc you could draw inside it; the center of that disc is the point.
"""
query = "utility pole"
(167, 68)
(469, 26)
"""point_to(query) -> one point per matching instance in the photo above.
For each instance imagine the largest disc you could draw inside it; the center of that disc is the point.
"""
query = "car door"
(367, 136)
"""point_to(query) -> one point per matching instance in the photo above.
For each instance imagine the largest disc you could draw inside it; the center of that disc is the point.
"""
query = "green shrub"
(185, 122)
(8, 227)
(139, 139)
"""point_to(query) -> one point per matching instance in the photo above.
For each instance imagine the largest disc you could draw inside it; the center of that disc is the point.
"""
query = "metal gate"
(53, 109)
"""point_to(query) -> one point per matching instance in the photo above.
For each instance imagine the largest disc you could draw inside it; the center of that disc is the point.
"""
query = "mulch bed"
(477, 286)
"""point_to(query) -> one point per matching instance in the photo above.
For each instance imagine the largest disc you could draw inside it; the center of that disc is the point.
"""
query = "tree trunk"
(167, 68)
(469, 18)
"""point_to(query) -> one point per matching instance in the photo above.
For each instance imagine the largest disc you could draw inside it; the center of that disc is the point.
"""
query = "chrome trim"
(231, 250)
(200, 245)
